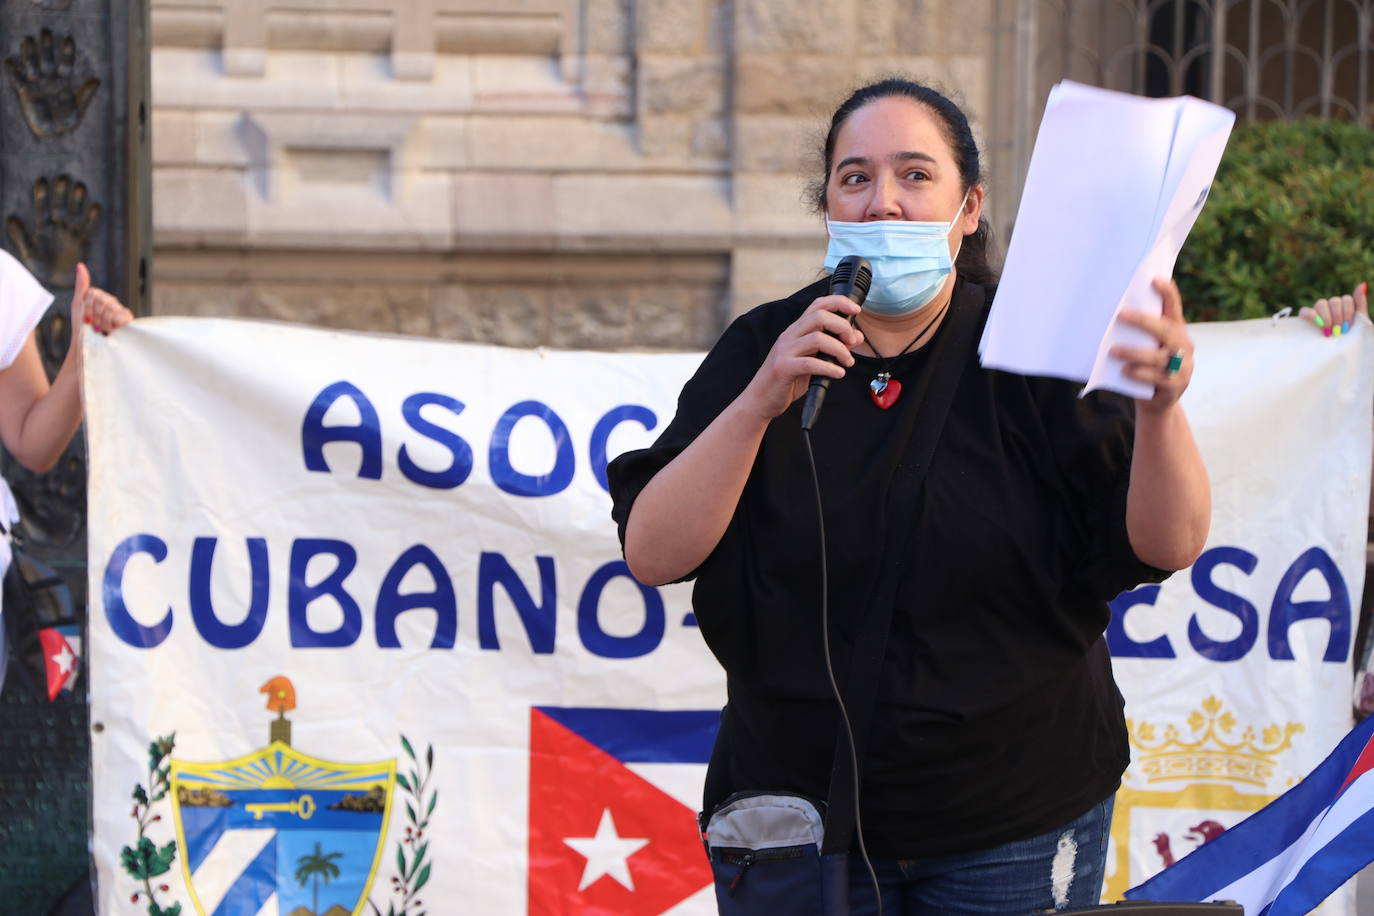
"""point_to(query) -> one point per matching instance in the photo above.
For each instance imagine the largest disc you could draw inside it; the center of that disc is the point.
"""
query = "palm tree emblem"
(317, 865)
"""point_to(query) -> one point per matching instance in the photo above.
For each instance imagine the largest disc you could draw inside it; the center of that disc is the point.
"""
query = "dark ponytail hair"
(973, 255)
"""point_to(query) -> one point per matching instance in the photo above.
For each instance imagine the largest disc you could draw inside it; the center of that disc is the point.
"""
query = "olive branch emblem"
(412, 873)
(145, 860)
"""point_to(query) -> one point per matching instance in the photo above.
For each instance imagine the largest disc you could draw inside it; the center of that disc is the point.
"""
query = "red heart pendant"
(888, 396)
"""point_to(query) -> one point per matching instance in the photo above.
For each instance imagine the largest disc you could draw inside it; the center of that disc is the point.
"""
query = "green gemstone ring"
(1175, 363)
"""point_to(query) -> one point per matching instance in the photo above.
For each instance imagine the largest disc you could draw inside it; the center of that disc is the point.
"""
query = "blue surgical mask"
(910, 260)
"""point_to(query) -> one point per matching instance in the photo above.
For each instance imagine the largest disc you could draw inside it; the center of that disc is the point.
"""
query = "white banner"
(361, 636)
(1237, 673)
(410, 540)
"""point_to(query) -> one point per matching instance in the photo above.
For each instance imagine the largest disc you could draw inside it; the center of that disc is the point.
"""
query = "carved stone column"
(74, 186)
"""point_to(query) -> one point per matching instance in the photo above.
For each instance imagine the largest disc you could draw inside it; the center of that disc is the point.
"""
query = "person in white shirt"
(38, 418)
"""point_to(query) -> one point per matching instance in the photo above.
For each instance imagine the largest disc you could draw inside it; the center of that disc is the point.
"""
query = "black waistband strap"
(924, 418)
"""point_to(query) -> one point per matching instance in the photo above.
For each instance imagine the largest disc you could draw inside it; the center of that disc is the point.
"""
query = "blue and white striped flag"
(1290, 855)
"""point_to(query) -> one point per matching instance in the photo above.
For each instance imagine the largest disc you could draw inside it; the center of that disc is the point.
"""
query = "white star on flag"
(607, 853)
(64, 659)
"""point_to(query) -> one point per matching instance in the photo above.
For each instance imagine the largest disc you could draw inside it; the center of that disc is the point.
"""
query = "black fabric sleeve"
(722, 376)
(1093, 439)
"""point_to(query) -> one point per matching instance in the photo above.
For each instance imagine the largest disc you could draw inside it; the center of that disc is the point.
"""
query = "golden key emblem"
(302, 807)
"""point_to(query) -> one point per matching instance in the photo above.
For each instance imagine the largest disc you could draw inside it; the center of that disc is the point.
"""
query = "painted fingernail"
(1326, 332)
(1336, 331)
(88, 319)
(1364, 287)
(1345, 327)
(1319, 321)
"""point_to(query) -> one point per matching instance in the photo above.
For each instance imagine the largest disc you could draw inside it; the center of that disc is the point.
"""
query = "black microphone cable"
(830, 673)
(851, 277)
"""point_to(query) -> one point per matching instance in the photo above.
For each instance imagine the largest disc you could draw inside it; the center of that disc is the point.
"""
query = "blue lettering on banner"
(1284, 612)
(461, 465)
(1122, 646)
(1335, 609)
(367, 434)
(213, 630)
(391, 603)
(1248, 615)
(505, 476)
(301, 595)
(112, 591)
(601, 434)
(539, 619)
(597, 640)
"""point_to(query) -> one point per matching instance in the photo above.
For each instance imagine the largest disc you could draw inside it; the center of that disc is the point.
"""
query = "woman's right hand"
(786, 372)
(682, 513)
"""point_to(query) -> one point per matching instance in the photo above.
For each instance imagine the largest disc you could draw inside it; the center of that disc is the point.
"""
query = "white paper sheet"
(1116, 182)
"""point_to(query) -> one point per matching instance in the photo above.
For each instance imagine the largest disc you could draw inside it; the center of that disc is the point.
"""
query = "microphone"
(851, 278)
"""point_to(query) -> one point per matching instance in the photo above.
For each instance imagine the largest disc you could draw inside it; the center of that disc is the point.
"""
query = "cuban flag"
(612, 822)
(1289, 856)
(61, 657)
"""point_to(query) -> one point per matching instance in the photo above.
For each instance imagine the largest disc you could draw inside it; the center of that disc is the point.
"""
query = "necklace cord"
(884, 360)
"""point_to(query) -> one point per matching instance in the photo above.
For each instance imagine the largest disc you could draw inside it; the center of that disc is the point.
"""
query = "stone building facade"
(612, 174)
(573, 173)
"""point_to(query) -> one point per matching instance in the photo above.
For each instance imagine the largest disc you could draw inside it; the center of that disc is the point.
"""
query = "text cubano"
(537, 616)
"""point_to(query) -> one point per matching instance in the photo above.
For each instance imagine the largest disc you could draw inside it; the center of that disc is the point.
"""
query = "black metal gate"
(74, 186)
(1263, 59)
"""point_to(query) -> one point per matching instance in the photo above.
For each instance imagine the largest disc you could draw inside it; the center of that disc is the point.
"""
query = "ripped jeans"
(1056, 870)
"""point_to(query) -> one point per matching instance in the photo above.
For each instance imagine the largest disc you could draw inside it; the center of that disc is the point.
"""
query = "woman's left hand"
(1333, 316)
(95, 307)
(1168, 366)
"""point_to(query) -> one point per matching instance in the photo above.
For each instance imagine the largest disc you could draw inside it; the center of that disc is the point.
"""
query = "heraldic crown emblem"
(1216, 747)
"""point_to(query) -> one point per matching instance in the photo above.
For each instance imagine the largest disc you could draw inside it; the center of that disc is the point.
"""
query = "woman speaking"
(997, 737)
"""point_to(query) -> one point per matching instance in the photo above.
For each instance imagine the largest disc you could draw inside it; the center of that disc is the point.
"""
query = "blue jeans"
(1056, 870)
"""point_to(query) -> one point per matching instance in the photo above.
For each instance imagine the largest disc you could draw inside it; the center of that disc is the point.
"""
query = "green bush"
(1290, 220)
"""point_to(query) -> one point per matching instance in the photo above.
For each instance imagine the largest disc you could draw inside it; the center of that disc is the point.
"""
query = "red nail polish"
(1326, 331)
(1364, 287)
(88, 319)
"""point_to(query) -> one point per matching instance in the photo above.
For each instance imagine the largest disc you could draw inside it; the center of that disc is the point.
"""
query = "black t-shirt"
(997, 715)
